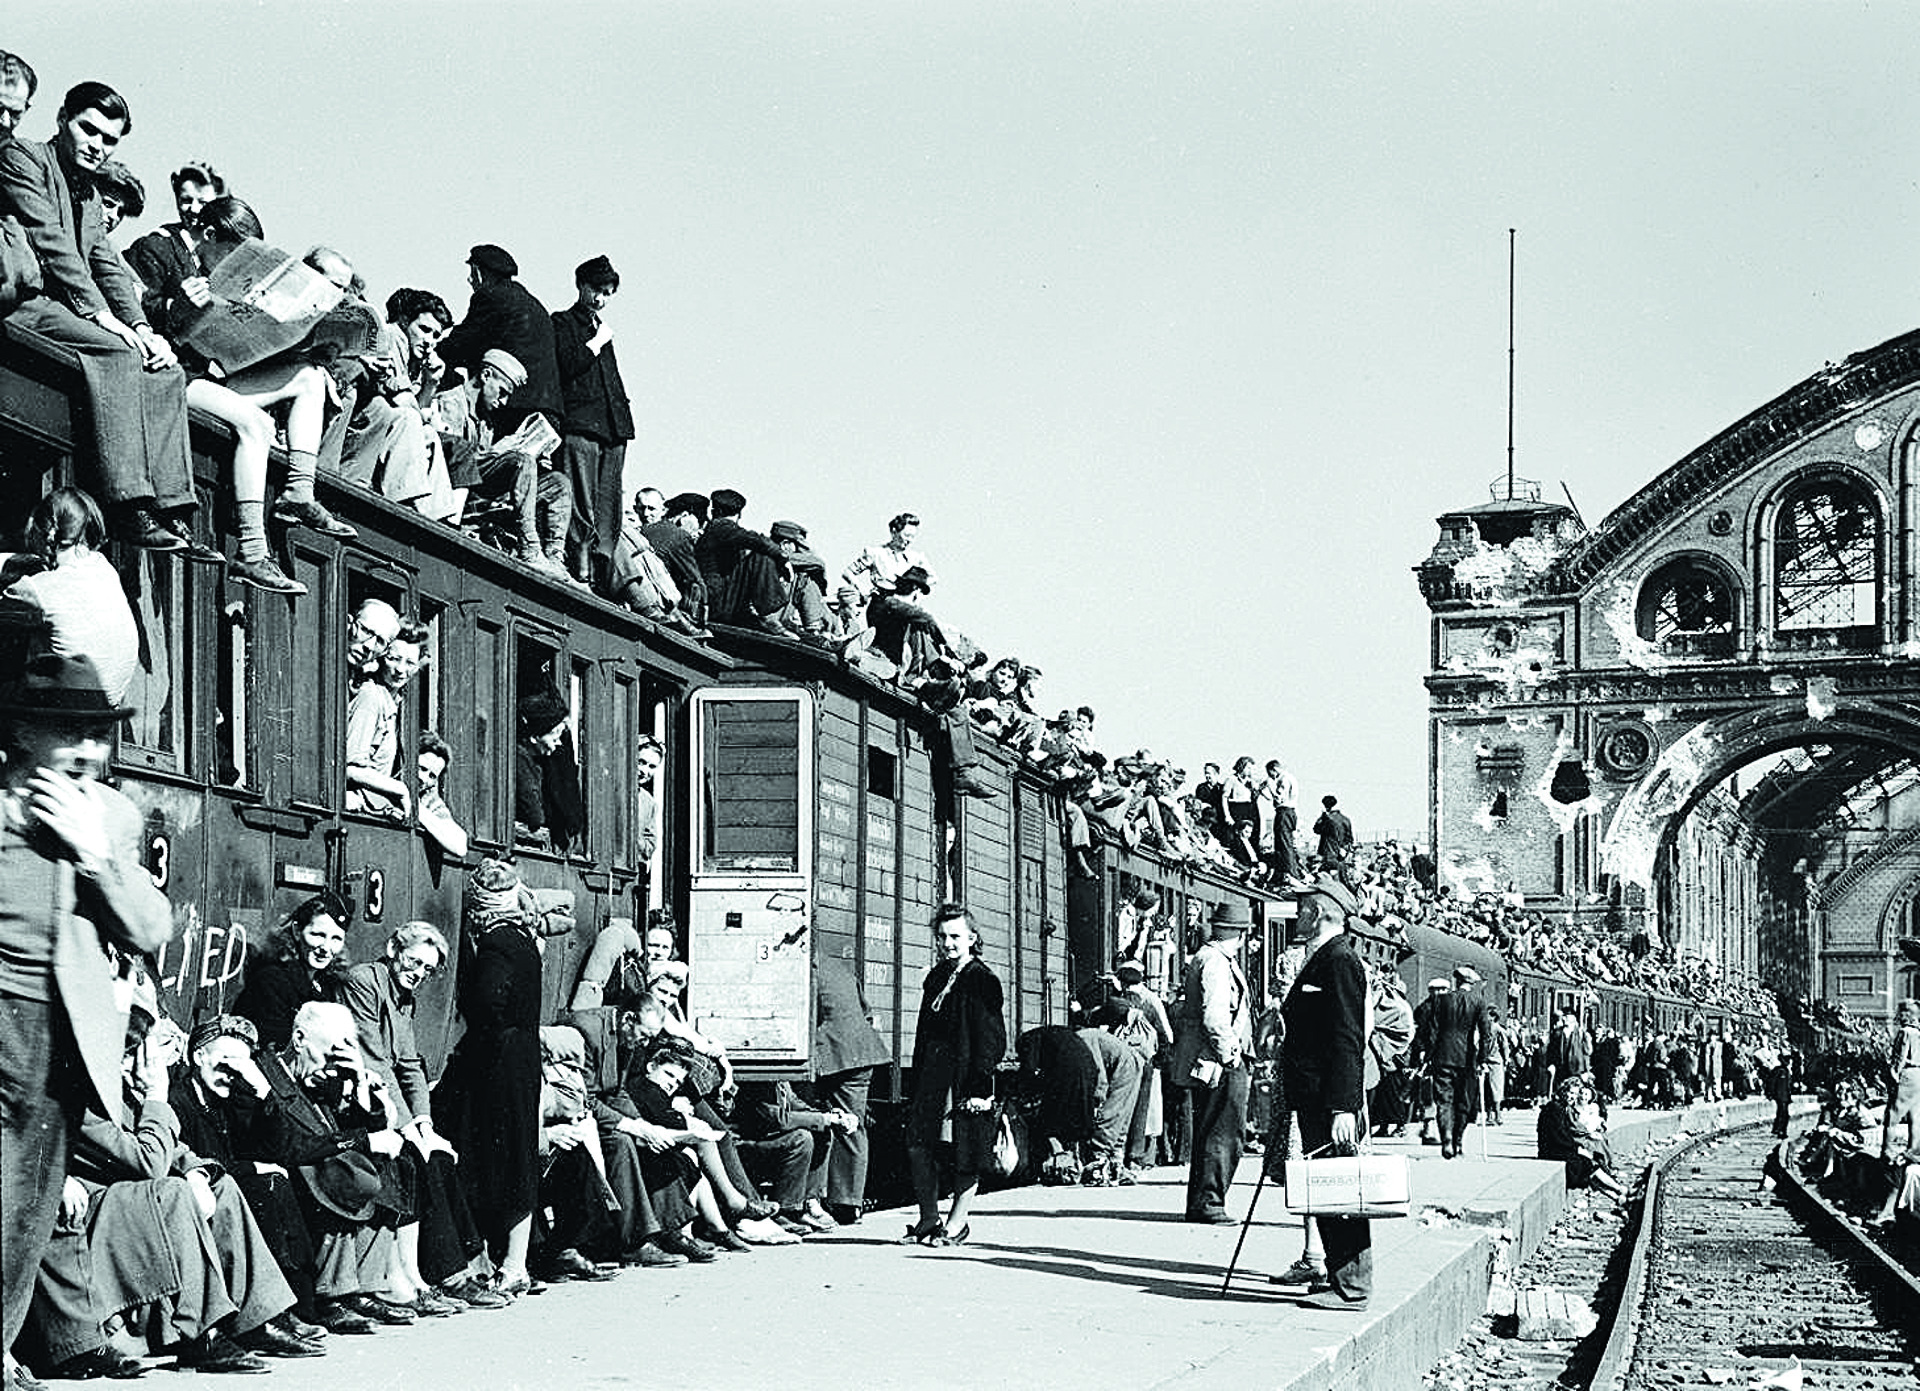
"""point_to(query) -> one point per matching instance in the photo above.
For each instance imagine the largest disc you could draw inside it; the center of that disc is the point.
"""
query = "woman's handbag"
(1349, 1185)
(1006, 1145)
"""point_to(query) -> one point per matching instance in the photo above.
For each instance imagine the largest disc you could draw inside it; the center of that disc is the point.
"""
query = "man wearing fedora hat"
(1323, 1073)
(73, 884)
(1213, 1037)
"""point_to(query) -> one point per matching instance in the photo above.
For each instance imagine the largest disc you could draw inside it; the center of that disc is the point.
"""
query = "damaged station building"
(1700, 720)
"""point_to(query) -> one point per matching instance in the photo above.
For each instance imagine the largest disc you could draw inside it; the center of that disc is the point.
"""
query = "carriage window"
(160, 591)
(584, 738)
(548, 810)
(882, 768)
(429, 702)
(384, 653)
(750, 800)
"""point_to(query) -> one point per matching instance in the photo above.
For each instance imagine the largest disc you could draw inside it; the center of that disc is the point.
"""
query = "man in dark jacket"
(1335, 832)
(1323, 1071)
(91, 306)
(846, 1050)
(1453, 1049)
(673, 539)
(745, 572)
(504, 314)
(596, 423)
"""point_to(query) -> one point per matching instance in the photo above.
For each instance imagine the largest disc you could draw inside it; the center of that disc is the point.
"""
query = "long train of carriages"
(803, 812)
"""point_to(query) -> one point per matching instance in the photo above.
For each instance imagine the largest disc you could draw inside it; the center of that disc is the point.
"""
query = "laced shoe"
(265, 574)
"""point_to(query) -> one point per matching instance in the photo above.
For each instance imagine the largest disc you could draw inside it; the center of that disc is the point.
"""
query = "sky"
(1177, 324)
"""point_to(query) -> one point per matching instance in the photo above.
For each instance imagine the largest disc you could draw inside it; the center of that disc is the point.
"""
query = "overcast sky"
(1177, 324)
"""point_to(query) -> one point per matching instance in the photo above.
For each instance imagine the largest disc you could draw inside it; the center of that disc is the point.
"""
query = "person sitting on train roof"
(650, 506)
(877, 569)
(384, 443)
(496, 467)
(90, 305)
(806, 610)
(638, 577)
(63, 577)
(170, 253)
(18, 83)
(287, 388)
(745, 572)
(673, 537)
(998, 704)
(374, 784)
(547, 806)
(122, 196)
(302, 962)
(904, 632)
(503, 314)
(429, 802)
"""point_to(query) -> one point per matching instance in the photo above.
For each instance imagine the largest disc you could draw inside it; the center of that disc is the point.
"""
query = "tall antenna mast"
(1510, 244)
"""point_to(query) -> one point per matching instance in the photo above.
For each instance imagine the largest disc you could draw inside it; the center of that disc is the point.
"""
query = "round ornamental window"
(1626, 749)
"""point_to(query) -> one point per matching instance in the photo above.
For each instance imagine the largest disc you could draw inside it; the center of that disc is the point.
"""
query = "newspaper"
(536, 438)
(264, 302)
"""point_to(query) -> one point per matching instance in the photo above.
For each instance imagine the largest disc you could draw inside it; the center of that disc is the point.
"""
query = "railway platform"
(1059, 1288)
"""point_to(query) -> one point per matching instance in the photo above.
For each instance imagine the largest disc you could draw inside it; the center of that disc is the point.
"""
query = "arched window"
(1826, 564)
(1687, 608)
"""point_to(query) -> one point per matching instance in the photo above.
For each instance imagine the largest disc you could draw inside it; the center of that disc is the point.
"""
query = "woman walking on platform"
(961, 1039)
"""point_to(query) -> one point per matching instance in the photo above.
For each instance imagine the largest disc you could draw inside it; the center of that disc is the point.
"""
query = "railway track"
(1705, 1279)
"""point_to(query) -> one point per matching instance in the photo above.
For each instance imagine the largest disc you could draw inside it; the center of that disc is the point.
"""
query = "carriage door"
(750, 900)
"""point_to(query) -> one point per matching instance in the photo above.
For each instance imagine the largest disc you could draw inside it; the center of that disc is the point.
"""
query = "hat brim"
(111, 714)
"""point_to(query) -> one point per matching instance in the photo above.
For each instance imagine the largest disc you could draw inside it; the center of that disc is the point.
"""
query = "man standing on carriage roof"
(596, 421)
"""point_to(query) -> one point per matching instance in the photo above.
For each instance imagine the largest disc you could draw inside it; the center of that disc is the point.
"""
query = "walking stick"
(1232, 1264)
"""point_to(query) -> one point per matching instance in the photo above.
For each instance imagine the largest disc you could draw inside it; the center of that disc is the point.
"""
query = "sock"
(253, 530)
(302, 465)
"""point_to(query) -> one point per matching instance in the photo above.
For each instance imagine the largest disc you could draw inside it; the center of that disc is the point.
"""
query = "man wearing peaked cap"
(71, 866)
(596, 421)
(1212, 1040)
(1454, 1046)
(1323, 1065)
(806, 611)
(504, 314)
(672, 539)
(745, 572)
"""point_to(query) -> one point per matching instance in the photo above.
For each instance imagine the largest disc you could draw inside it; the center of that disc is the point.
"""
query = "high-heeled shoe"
(921, 1233)
(943, 1237)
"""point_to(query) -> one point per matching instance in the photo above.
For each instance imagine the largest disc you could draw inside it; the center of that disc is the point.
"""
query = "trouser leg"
(847, 1153)
(1219, 1138)
(1348, 1240)
(39, 1090)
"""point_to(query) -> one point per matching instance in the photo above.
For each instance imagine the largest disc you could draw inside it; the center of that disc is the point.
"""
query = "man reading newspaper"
(506, 479)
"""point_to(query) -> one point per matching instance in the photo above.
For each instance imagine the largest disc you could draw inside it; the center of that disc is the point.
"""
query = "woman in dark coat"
(488, 1101)
(961, 1038)
(303, 962)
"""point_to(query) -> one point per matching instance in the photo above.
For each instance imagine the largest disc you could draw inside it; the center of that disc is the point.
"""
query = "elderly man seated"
(335, 1133)
(152, 1232)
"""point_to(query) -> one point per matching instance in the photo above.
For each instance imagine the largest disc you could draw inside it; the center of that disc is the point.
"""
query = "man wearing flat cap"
(1212, 1044)
(806, 611)
(596, 421)
(673, 539)
(72, 885)
(746, 573)
(504, 314)
(1323, 1072)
